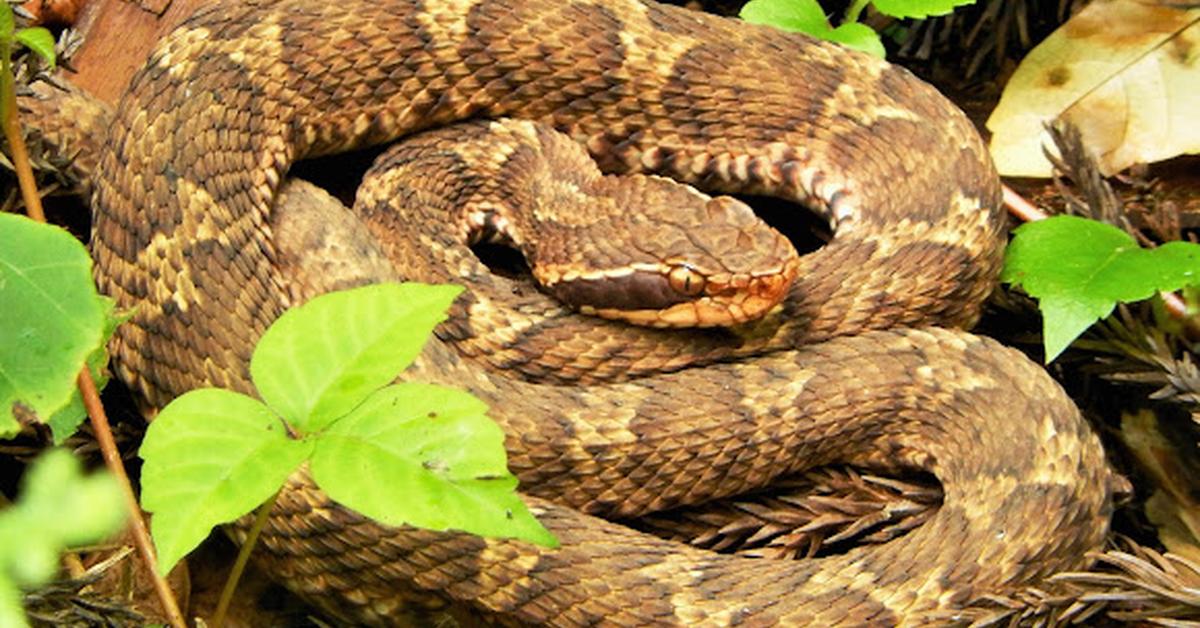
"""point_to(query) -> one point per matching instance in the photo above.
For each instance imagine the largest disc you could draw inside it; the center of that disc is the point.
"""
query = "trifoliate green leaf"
(858, 36)
(211, 456)
(798, 16)
(438, 462)
(807, 16)
(918, 8)
(408, 453)
(1079, 269)
(320, 360)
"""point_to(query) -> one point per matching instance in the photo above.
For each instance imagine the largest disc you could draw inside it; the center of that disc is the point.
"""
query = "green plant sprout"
(405, 453)
(1079, 269)
(807, 16)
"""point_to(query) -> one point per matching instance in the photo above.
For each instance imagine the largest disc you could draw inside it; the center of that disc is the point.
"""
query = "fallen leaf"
(1125, 72)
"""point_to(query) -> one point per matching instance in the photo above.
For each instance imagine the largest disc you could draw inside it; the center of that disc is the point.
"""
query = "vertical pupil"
(686, 281)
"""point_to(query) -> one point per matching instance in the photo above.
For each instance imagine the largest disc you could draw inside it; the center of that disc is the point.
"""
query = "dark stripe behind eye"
(642, 290)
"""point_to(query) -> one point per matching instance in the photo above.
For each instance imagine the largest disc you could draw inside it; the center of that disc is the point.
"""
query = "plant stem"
(87, 387)
(112, 459)
(239, 565)
(16, 142)
(856, 9)
(1020, 207)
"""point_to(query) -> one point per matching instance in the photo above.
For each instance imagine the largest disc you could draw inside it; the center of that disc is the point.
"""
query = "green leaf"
(918, 8)
(58, 507)
(7, 23)
(66, 421)
(40, 41)
(442, 457)
(51, 321)
(320, 360)
(11, 611)
(860, 37)
(797, 16)
(1079, 269)
(211, 456)
(807, 16)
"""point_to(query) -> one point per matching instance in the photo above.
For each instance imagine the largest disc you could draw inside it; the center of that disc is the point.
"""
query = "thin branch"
(112, 459)
(87, 387)
(16, 142)
(1020, 207)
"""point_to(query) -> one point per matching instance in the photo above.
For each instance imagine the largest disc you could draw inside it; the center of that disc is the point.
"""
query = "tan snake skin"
(184, 229)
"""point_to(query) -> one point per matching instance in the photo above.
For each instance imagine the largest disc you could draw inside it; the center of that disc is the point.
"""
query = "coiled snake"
(603, 420)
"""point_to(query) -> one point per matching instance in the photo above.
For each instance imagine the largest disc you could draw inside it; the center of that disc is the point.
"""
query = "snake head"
(672, 257)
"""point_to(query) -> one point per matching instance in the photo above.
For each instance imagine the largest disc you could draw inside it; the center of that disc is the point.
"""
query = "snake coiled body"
(605, 420)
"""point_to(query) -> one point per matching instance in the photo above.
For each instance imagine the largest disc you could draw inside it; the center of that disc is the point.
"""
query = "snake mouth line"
(662, 296)
(670, 295)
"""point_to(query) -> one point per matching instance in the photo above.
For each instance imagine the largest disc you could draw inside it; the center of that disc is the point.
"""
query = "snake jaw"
(727, 300)
(670, 295)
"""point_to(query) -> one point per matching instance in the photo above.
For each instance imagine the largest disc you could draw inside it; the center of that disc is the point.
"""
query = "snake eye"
(686, 280)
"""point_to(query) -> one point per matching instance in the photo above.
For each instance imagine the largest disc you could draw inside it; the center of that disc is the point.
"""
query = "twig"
(16, 144)
(1021, 208)
(112, 459)
(87, 387)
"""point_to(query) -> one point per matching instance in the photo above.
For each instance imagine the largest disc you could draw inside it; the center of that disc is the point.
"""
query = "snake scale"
(861, 363)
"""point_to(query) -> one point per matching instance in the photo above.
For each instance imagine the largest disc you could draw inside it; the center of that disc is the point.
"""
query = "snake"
(863, 360)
